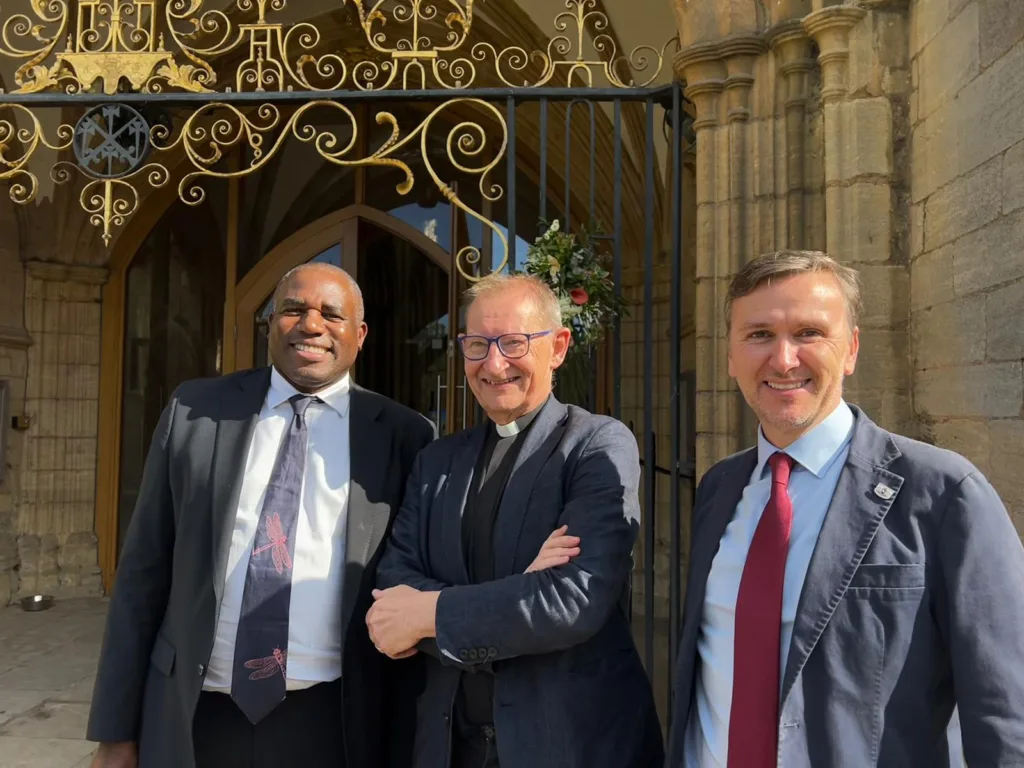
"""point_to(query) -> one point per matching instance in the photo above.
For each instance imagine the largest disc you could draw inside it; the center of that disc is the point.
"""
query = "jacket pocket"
(162, 656)
(891, 579)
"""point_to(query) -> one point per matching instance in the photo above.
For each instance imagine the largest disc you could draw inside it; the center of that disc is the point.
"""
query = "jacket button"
(472, 654)
(463, 655)
(202, 670)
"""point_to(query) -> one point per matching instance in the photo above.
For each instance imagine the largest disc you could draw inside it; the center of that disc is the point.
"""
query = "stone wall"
(967, 246)
(14, 343)
(56, 502)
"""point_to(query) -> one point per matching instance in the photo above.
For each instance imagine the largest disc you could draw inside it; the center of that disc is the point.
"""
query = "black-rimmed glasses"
(511, 345)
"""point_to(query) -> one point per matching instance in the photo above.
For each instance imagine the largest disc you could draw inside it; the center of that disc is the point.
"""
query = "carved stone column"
(862, 193)
(57, 542)
(792, 48)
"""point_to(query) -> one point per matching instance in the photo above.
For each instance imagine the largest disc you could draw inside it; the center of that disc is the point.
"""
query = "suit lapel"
(850, 525)
(539, 443)
(241, 404)
(460, 476)
(368, 511)
(710, 524)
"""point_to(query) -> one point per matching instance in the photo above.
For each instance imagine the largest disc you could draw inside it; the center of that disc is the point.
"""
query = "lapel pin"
(884, 491)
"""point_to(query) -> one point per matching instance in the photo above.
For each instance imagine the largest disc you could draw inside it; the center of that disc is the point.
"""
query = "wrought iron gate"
(155, 93)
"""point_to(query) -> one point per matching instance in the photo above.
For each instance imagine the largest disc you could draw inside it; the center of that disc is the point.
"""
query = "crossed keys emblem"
(278, 545)
(268, 666)
(111, 140)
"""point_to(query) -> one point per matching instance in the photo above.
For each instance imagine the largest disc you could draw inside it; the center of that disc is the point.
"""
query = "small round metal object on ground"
(36, 602)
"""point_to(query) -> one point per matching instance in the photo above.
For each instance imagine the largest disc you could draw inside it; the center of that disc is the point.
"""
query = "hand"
(557, 550)
(122, 754)
(399, 618)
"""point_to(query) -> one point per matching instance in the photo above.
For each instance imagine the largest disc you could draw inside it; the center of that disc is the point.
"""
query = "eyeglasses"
(511, 345)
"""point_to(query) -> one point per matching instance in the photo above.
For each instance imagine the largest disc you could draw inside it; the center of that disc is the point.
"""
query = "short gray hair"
(780, 264)
(336, 270)
(545, 300)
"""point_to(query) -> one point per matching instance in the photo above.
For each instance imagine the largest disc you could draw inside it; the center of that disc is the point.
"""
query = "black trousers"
(474, 748)
(303, 730)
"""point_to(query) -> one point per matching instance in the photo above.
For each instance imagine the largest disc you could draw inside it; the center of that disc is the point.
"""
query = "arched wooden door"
(411, 296)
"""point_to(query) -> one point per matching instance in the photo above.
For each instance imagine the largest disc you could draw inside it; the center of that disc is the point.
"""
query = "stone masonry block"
(1002, 27)
(867, 149)
(1008, 437)
(1013, 178)
(949, 62)
(968, 438)
(8, 552)
(992, 390)
(1004, 319)
(916, 230)
(931, 279)
(866, 224)
(963, 205)
(927, 19)
(990, 256)
(885, 290)
(882, 361)
(79, 551)
(950, 334)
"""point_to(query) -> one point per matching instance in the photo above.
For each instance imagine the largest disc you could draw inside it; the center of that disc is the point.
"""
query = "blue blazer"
(913, 603)
(570, 690)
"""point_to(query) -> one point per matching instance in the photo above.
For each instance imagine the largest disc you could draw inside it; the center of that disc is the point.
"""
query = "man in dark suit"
(509, 564)
(235, 635)
(847, 586)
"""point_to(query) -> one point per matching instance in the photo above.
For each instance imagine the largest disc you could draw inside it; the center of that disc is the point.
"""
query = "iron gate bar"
(649, 477)
(543, 207)
(662, 93)
(675, 257)
(617, 262)
(510, 200)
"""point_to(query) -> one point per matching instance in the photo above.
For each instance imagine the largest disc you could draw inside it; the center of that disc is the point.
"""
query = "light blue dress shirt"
(819, 457)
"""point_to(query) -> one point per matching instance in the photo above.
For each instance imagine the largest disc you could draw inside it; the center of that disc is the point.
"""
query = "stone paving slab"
(47, 670)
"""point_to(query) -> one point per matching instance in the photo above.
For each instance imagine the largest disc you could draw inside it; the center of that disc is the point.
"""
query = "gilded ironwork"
(568, 55)
(165, 46)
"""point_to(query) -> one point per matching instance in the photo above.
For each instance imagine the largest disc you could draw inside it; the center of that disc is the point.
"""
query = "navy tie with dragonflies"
(261, 645)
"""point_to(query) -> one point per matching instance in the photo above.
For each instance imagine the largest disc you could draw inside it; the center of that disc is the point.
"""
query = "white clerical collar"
(508, 430)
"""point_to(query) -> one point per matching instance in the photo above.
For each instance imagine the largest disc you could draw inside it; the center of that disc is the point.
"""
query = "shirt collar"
(816, 450)
(336, 396)
(514, 428)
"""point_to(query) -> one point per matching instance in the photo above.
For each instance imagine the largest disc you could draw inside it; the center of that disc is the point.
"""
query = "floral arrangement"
(576, 273)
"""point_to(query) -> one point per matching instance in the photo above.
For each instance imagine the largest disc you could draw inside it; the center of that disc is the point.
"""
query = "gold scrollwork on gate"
(210, 132)
(568, 55)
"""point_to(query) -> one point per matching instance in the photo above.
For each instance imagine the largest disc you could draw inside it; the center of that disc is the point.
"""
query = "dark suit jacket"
(166, 597)
(570, 690)
(913, 602)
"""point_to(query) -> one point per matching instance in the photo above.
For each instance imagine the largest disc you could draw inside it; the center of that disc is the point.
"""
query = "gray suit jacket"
(913, 603)
(570, 690)
(166, 597)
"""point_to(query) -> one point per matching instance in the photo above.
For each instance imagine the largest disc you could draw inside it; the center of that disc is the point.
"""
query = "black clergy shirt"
(474, 702)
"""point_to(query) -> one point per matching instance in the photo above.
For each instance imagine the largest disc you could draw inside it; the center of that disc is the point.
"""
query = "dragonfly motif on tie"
(268, 666)
(278, 545)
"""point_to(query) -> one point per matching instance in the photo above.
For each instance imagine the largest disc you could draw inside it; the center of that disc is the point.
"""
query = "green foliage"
(579, 276)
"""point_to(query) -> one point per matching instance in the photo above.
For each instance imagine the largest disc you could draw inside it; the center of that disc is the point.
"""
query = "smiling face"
(508, 388)
(790, 345)
(315, 332)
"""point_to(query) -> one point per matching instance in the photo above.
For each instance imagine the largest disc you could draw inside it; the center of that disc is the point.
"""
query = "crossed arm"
(562, 599)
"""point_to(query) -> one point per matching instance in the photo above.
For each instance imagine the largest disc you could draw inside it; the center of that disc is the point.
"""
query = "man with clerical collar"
(508, 565)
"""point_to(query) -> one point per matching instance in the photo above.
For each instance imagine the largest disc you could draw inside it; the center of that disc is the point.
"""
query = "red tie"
(754, 719)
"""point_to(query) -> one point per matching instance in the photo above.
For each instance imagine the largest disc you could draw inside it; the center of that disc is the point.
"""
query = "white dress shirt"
(314, 625)
(819, 457)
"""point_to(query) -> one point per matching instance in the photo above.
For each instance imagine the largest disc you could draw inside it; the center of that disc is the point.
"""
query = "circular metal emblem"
(111, 141)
